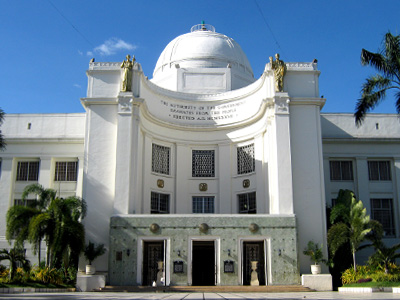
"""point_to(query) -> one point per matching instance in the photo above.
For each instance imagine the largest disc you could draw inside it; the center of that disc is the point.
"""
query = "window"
(27, 171)
(159, 203)
(379, 170)
(382, 211)
(341, 170)
(203, 205)
(247, 203)
(66, 171)
(203, 163)
(26, 202)
(160, 159)
(245, 159)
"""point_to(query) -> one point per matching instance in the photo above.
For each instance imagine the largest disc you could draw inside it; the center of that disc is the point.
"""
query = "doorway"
(253, 251)
(203, 263)
(153, 252)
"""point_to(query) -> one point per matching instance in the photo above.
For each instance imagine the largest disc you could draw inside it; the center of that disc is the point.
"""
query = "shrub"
(381, 276)
(349, 276)
(362, 280)
(47, 275)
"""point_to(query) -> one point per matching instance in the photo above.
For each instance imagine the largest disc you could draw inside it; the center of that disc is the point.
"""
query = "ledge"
(16, 290)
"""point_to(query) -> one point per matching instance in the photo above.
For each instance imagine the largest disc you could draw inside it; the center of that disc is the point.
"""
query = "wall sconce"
(229, 252)
(128, 252)
(179, 252)
(279, 252)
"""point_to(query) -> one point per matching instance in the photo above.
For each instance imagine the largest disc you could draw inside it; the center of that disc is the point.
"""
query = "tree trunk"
(354, 262)
(39, 246)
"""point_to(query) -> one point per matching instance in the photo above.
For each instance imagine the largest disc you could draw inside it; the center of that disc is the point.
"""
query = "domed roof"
(203, 48)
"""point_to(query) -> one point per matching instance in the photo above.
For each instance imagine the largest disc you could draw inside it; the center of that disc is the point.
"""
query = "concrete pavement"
(198, 296)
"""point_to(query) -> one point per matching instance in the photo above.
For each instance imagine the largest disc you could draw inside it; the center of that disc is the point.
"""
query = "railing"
(202, 27)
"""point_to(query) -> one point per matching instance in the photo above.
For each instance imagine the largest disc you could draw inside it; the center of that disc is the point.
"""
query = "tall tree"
(55, 220)
(387, 63)
(353, 226)
(2, 141)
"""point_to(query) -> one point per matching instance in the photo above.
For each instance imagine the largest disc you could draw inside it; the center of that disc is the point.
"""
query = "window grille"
(26, 202)
(245, 159)
(247, 203)
(159, 203)
(203, 163)
(382, 211)
(379, 170)
(66, 171)
(341, 170)
(203, 205)
(28, 171)
(160, 159)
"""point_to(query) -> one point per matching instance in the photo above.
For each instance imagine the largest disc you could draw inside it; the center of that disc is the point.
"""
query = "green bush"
(349, 276)
(47, 275)
(381, 276)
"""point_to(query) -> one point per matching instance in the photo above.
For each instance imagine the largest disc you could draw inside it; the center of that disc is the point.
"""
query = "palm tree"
(353, 227)
(385, 255)
(55, 220)
(68, 236)
(15, 255)
(2, 141)
(387, 63)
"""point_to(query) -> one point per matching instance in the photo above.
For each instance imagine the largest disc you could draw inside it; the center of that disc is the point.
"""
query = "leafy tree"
(2, 141)
(353, 227)
(14, 255)
(387, 63)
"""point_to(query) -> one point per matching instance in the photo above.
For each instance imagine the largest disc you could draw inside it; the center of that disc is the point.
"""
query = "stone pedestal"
(160, 274)
(88, 283)
(320, 282)
(254, 276)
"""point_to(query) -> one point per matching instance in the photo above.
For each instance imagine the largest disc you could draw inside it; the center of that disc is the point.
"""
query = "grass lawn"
(374, 284)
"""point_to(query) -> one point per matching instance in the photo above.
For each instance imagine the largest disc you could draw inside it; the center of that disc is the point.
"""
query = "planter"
(90, 270)
(315, 269)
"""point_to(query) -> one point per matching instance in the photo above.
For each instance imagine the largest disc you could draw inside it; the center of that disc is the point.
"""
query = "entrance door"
(153, 252)
(203, 263)
(253, 251)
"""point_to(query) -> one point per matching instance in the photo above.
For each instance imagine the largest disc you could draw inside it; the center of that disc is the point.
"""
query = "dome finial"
(203, 25)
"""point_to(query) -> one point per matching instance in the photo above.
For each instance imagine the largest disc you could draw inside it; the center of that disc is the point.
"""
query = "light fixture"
(179, 252)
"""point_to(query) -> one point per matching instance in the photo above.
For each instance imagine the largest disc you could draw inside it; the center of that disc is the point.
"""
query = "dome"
(203, 48)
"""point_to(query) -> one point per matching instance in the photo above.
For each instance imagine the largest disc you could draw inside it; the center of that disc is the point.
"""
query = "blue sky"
(46, 45)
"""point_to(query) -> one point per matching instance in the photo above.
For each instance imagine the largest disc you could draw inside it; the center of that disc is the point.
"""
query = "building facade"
(192, 175)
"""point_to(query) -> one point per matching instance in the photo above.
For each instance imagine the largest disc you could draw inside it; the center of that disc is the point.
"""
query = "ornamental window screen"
(247, 203)
(245, 159)
(341, 170)
(28, 171)
(379, 170)
(66, 171)
(203, 205)
(159, 203)
(382, 211)
(26, 202)
(160, 159)
(203, 163)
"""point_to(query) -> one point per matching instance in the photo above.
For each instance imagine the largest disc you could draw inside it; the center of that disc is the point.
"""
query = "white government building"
(204, 167)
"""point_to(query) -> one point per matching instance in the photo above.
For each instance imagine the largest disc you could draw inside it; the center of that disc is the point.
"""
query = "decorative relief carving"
(160, 183)
(124, 105)
(154, 227)
(282, 105)
(203, 227)
(246, 183)
(203, 187)
(253, 227)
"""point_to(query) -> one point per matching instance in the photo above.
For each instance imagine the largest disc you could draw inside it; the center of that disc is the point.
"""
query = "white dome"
(203, 48)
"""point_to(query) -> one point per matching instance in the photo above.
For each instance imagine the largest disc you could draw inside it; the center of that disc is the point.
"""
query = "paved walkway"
(198, 296)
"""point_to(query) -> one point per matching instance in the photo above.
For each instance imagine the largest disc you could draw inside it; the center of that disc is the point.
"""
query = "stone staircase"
(207, 289)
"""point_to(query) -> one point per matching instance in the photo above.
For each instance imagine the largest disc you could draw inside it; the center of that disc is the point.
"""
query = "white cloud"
(112, 46)
(77, 85)
(80, 52)
(89, 53)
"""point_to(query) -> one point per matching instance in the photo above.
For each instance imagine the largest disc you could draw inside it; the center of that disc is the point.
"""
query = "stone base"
(88, 283)
(320, 282)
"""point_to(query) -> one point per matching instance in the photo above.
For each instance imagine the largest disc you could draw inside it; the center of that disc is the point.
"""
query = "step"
(210, 289)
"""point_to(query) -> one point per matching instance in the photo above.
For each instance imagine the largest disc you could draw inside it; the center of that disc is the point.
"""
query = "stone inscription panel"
(201, 114)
